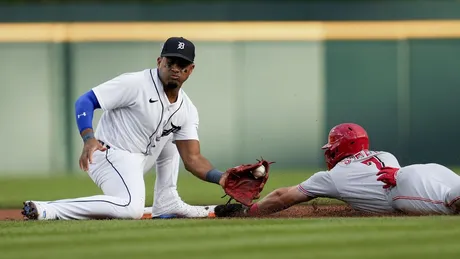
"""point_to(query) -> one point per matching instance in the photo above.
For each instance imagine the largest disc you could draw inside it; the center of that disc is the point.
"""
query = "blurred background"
(271, 77)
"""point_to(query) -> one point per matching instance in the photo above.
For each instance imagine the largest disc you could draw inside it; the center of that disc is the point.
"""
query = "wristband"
(87, 136)
(214, 176)
(254, 210)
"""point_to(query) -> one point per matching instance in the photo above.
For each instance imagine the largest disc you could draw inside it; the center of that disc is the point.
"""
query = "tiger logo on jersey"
(173, 129)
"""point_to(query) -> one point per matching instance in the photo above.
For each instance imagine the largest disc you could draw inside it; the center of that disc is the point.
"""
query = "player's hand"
(223, 179)
(89, 147)
(387, 175)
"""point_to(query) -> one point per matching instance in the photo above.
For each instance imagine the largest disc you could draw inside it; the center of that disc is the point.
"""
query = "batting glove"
(388, 176)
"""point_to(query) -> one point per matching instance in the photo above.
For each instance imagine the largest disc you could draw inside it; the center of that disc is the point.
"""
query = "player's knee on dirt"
(453, 198)
(132, 211)
(136, 212)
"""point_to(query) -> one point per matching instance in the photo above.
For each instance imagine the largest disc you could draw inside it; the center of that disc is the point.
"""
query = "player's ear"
(191, 69)
(158, 61)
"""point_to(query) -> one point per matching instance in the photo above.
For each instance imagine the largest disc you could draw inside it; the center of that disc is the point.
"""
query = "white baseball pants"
(120, 176)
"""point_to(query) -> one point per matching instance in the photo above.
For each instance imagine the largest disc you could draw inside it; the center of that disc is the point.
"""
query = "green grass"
(342, 238)
(13, 191)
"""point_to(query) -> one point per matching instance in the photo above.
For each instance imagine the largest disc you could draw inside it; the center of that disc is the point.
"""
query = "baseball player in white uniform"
(354, 176)
(147, 121)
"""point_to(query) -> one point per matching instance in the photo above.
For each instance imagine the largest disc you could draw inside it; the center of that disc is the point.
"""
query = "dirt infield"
(323, 211)
(302, 211)
(10, 215)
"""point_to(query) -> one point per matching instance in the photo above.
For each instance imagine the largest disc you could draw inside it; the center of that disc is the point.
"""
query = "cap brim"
(177, 55)
(327, 146)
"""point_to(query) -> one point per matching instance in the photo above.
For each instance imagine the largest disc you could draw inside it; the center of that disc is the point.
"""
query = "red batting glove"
(388, 176)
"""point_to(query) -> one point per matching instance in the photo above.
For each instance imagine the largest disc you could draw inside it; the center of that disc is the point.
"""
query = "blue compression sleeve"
(84, 110)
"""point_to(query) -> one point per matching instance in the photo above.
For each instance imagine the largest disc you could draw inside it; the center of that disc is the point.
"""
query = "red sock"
(254, 210)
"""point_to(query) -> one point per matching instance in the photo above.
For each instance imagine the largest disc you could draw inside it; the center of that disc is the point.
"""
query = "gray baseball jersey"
(354, 181)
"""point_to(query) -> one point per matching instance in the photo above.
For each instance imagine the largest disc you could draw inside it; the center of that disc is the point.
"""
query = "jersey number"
(373, 160)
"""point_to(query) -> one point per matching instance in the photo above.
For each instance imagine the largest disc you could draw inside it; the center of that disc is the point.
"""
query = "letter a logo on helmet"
(344, 140)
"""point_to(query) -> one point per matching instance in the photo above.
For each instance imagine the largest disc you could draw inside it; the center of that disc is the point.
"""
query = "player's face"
(174, 71)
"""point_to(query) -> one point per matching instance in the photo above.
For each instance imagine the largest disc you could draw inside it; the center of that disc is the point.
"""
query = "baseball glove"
(242, 185)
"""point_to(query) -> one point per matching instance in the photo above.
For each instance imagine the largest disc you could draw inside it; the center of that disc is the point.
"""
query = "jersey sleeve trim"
(302, 190)
(187, 138)
(190, 130)
(98, 97)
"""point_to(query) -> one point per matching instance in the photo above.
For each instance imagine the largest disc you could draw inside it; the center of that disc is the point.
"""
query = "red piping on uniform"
(417, 199)
(301, 189)
(454, 200)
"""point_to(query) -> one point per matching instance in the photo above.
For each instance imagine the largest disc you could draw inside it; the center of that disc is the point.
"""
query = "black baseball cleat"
(230, 210)
(29, 211)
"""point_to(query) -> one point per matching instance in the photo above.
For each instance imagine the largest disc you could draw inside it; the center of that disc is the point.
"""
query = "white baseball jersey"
(140, 125)
(354, 181)
(137, 113)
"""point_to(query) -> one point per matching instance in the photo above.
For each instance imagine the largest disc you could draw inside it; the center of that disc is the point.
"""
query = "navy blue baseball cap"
(179, 47)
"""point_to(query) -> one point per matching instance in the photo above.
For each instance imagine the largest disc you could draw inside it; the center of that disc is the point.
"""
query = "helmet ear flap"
(332, 153)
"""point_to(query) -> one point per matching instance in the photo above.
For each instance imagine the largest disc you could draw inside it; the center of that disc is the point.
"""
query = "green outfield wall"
(404, 92)
(262, 89)
(247, 105)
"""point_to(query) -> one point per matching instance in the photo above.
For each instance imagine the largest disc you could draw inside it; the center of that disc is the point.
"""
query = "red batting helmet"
(344, 140)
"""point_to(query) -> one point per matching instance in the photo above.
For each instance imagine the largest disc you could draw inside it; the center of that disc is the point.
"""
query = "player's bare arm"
(278, 200)
(196, 163)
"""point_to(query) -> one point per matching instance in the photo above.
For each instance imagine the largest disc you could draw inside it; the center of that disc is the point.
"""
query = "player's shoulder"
(134, 74)
(126, 80)
(365, 155)
(321, 174)
(133, 77)
(187, 103)
(386, 156)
